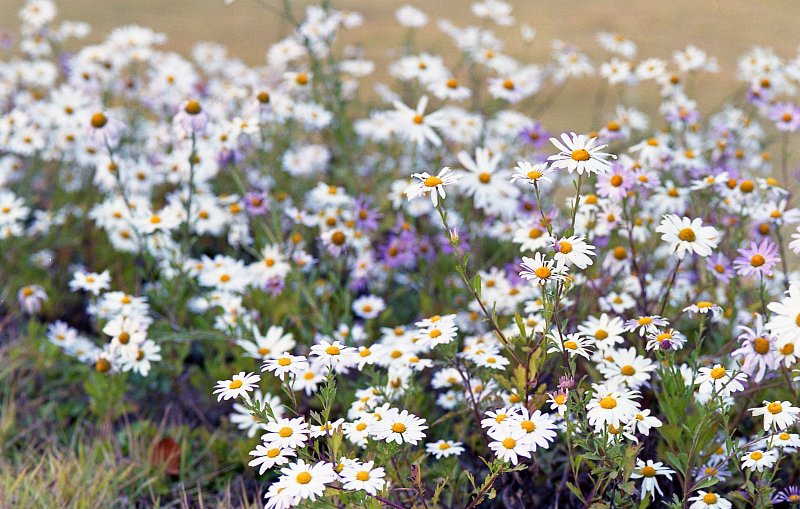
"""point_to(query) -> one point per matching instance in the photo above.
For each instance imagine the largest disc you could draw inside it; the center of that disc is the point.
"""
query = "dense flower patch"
(410, 292)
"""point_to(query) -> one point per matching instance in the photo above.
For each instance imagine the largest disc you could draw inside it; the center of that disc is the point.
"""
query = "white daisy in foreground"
(286, 364)
(285, 432)
(433, 184)
(785, 321)
(531, 173)
(510, 443)
(648, 472)
(363, 476)
(708, 500)
(239, 385)
(780, 414)
(611, 406)
(268, 456)
(759, 460)
(688, 235)
(399, 427)
(444, 449)
(573, 344)
(579, 153)
(574, 251)
(540, 428)
(303, 480)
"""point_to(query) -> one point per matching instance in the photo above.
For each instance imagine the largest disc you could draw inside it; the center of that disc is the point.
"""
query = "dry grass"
(725, 28)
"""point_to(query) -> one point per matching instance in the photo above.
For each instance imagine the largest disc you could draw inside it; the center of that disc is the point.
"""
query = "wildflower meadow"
(324, 281)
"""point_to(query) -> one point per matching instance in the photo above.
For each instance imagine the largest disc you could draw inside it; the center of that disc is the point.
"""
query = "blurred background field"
(724, 28)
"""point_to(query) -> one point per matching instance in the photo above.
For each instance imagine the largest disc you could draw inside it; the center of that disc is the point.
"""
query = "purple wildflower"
(786, 117)
(719, 265)
(535, 135)
(758, 259)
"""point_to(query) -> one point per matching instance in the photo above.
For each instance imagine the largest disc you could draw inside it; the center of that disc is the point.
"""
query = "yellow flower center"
(193, 107)
(284, 361)
(418, 119)
(565, 247)
(747, 186)
(761, 345)
(757, 260)
(608, 403)
(600, 335)
(580, 155)
(648, 471)
(432, 181)
(756, 455)
(332, 350)
(542, 272)
(235, 384)
(710, 498)
(285, 432)
(444, 446)
(560, 399)
(124, 337)
(627, 370)
(485, 178)
(509, 443)
(361, 426)
(687, 235)
(534, 175)
(774, 408)
(398, 427)
(303, 478)
(273, 452)
(98, 120)
(528, 425)
(718, 372)
(571, 345)
(362, 475)
(616, 181)
(787, 349)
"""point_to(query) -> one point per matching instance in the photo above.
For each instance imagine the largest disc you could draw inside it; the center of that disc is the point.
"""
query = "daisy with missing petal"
(363, 476)
(708, 500)
(532, 173)
(579, 153)
(759, 460)
(399, 427)
(688, 235)
(240, 384)
(647, 471)
(558, 401)
(785, 321)
(704, 307)
(541, 270)
(574, 251)
(432, 184)
(777, 414)
(444, 449)
(273, 343)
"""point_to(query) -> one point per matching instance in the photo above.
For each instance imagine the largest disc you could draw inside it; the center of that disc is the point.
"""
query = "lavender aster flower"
(757, 260)
(786, 117)
(720, 267)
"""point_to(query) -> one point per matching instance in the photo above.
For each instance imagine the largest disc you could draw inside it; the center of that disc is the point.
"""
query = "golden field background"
(724, 28)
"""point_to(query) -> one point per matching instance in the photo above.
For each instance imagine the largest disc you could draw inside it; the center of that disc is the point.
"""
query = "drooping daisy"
(432, 184)
(579, 153)
(777, 414)
(647, 471)
(785, 321)
(275, 342)
(240, 384)
(643, 422)
(686, 235)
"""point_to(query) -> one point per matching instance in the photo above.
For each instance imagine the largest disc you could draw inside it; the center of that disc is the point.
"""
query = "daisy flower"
(363, 476)
(531, 173)
(334, 354)
(275, 342)
(399, 427)
(301, 480)
(759, 460)
(759, 350)
(668, 339)
(510, 443)
(605, 330)
(432, 184)
(647, 471)
(720, 267)
(704, 307)
(91, 282)
(368, 306)
(718, 380)
(708, 500)
(269, 455)
(283, 432)
(444, 448)
(558, 401)
(611, 406)
(541, 270)
(574, 344)
(646, 324)
(785, 321)
(790, 494)
(643, 422)
(240, 384)
(627, 368)
(688, 235)
(579, 153)
(574, 251)
(777, 414)
(539, 427)
(286, 364)
(757, 260)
